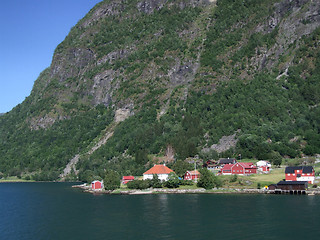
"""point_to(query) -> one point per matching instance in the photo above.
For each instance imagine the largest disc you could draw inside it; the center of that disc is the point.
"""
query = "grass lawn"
(14, 179)
(274, 176)
(194, 186)
(252, 181)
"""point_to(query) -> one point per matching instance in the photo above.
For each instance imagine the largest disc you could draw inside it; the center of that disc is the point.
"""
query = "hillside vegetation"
(187, 72)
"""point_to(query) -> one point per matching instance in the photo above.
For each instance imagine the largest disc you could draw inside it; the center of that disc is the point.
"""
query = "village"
(231, 176)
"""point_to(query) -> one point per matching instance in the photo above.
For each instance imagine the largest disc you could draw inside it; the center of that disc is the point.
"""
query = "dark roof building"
(300, 173)
(227, 161)
(305, 169)
(290, 185)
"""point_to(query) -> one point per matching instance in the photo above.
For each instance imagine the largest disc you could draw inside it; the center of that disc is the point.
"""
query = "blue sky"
(30, 31)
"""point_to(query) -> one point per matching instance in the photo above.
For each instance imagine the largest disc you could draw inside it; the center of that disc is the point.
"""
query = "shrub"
(207, 179)
(276, 159)
(186, 182)
(173, 181)
(181, 167)
(155, 182)
(111, 180)
(234, 178)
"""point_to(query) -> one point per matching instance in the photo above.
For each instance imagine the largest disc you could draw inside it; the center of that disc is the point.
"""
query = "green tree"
(173, 181)
(139, 184)
(234, 178)
(276, 158)
(86, 176)
(111, 180)
(206, 180)
(141, 156)
(181, 167)
(155, 182)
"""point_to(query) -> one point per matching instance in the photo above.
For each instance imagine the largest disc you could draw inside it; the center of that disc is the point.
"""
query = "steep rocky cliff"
(171, 73)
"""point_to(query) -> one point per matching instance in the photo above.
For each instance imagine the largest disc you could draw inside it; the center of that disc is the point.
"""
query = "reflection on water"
(56, 211)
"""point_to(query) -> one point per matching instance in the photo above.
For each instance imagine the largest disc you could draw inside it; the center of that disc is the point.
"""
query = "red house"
(226, 170)
(192, 175)
(239, 169)
(126, 179)
(97, 185)
(300, 173)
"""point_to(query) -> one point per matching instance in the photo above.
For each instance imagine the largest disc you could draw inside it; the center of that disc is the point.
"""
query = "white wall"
(310, 178)
(162, 177)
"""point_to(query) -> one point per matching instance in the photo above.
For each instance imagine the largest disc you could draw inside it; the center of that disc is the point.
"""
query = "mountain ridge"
(185, 74)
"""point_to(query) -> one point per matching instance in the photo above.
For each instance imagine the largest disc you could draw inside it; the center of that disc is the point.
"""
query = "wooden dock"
(290, 192)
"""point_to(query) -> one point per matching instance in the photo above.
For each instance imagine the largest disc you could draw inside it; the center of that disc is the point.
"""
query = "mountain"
(144, 78)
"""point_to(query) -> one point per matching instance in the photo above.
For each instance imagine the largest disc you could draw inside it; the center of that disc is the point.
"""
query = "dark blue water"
(56, 211)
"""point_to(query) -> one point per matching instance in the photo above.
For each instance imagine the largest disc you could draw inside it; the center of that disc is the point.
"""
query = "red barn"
(239, 169)
(97, 185)
(126, 179)
(192, 175)
(300, 173)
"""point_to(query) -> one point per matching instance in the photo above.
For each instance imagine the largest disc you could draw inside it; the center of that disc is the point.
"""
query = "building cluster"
(230, 166)
(296, 180)
(161, 170)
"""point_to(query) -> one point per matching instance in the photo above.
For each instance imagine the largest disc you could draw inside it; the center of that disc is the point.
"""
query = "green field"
(14, 179)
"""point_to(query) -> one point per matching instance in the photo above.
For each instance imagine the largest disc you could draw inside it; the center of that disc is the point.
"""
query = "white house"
(263, 164)
(161, 170)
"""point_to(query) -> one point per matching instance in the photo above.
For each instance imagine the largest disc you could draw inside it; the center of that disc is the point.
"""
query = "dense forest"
(189, 72)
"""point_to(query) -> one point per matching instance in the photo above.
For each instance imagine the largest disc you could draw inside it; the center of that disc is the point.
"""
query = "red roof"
(159, 169)
(194, 172)
(227, 167)
(128, 178)
(247, 165)
(242, 164)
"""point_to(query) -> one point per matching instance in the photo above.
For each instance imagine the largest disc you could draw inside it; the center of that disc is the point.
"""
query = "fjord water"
(56, 211)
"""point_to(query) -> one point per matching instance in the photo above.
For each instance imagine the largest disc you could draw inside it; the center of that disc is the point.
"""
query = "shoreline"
(33, 181)
(87, 189)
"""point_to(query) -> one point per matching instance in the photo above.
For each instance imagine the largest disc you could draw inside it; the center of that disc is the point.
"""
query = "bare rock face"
(42, 122)
(148, 6)
(195, 3)
(108, 9)
(225, 143)
(113, 56)
(287, 19)
(101, 89)
(69, 64)
(122, 114)
(182, 73)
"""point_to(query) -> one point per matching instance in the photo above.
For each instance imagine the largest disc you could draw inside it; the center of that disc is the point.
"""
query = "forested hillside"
(184, 74)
